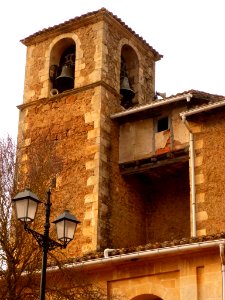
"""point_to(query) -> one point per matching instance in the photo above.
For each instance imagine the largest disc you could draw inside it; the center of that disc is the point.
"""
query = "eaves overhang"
(144, 255)
(203, 108)
(88, 18)
(151, 106)
(195, 101)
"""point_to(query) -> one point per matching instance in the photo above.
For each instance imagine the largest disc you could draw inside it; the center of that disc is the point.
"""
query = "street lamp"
(26, 204)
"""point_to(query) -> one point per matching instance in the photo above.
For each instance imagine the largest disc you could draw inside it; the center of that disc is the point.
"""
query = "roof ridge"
(196, 92)
(26, 40)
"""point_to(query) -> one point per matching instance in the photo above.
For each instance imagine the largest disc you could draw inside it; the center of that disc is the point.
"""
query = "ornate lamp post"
(26, 204)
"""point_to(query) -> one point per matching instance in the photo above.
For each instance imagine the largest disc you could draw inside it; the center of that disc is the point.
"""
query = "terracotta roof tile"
(149, 246)
(201, 97)
(102, 11)
(199, 94)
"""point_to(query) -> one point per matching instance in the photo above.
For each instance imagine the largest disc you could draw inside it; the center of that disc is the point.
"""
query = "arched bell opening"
(147, 297)
(128, 76)
(62, 66)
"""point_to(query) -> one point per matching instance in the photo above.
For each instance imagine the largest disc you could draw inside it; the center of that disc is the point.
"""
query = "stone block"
(92, 180)
(97, 155)
(93, 133)
(24, 157)
(88, 215)
(202, 216)
(199, 178)
(27, 142)
(200, 197)
(95, 75)
(91, 164)
(96, 173)
(98, 61)
(198, 161)
(91, 117)
(196, 128)
(89, 198)
(92, 149)
(198, 144)
(88, 117)
(201, 232)
(30, 94)
(96, 123)
(96, 104)
(79, 80)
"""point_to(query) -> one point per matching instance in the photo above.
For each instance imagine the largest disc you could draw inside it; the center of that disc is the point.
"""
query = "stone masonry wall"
(98, 51)
(64, 121)
(78, 124)
(88, 65)
(168, 206)
(72, 121)
(114, 38)
(209, 144)
(127, 203)
(121, 200)
(195, 276)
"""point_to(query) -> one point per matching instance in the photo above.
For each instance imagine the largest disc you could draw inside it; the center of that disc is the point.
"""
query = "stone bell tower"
(78, 73)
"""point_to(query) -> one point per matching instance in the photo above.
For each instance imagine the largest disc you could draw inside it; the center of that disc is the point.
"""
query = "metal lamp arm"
(41, 239)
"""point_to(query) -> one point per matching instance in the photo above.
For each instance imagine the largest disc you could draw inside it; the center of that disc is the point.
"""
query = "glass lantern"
(26, 204)
(66, 225)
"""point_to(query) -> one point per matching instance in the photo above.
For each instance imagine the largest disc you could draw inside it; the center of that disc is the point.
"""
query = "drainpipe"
(107, 251)
(192, 162)
(222, 257)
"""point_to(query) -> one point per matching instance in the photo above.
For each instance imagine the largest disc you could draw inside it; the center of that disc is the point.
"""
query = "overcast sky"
(188, 33)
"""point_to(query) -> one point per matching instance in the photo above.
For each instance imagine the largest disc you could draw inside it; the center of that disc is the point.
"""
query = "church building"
(142, 171)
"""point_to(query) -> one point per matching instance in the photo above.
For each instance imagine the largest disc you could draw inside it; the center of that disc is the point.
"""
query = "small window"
(162, 124)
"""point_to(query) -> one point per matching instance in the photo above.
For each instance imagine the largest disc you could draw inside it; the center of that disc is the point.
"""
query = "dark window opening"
(162, 124)
(128, 76)
(62, 66)
(65, 80)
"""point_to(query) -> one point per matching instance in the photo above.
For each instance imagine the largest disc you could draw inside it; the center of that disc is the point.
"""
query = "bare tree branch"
(20, 255)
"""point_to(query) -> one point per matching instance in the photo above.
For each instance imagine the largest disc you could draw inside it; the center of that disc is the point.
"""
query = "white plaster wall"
(136, 140)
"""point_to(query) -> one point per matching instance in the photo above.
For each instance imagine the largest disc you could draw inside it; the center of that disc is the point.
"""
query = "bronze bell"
(127, 93)
(65, 81)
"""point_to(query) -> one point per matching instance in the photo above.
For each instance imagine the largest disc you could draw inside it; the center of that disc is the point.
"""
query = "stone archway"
(147, 297)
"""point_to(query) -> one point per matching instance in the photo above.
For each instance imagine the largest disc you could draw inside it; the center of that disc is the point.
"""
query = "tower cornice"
(83, 20)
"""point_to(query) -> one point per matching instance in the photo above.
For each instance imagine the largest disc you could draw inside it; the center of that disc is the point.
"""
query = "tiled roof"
(193, 94)
(200, 94)
(203, 108)
(100, 12)
(149, 246)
